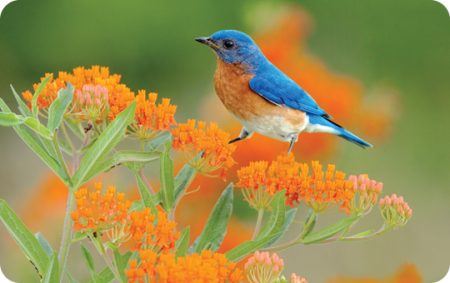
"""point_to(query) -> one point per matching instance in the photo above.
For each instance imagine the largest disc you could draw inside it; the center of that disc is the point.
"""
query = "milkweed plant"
(74, 122)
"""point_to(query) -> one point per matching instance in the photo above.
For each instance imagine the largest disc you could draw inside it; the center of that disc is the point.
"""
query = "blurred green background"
(402, 43)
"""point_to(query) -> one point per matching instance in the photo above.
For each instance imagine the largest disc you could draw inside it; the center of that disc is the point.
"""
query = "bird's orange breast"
(231, 82)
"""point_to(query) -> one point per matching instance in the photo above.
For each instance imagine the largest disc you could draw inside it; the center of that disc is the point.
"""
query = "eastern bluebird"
(263, 98)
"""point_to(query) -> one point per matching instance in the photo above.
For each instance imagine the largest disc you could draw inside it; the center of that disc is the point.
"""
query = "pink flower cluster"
(263, 267)
(395, 210)
(297, 279)
(367, 191)
(91, 102)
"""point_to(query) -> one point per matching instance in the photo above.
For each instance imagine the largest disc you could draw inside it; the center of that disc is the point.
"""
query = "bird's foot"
(292, 142)
(242, 136)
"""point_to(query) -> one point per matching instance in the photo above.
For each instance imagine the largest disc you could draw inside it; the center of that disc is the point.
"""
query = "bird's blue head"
(232, 46)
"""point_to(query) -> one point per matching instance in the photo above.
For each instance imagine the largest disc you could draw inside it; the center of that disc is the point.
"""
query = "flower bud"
(366, 193)
(395, 211)
(263, 267)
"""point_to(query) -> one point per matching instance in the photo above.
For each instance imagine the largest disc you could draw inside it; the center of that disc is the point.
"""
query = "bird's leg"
(242, 136)
(294, 139)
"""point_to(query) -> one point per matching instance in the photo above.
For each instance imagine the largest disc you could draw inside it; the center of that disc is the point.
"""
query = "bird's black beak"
(207, 41)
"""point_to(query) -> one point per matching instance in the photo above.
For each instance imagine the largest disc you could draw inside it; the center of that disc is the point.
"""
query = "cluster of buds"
(297, 279)
(395, 211)
(366, 193)
(91, 103)
(263, 267)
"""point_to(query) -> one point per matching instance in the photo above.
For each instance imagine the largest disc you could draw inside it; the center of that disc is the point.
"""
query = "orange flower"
(119, 95)
(318, 188)
(205, 267)
(151, 117)
(150, 231)
(210, 140)
(99, 213)
(108, 214)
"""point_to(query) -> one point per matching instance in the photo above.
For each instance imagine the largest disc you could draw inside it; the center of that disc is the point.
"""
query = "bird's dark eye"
(228, 44)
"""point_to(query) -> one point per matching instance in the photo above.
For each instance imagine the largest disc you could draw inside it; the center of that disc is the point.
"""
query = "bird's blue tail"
(337, 130)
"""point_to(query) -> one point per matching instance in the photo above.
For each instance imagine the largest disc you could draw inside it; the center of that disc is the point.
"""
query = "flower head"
(366, 193)
(312, 185)
(107, 213)
(395, 211)
(195, 137)
(204, 267)
(91, 102)
(150, 117)
(263, 267)
(152, 231)
(100, 213)
(93, 86)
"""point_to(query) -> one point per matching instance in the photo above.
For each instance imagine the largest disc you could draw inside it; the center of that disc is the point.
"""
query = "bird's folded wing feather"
(279, 89)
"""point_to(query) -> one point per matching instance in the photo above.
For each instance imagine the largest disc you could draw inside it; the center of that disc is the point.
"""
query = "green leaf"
(361, 234)
(41, 86)
(23, 107)
(158, 141)
(121, 157)
(109, 138)
(271, 231)
(148, 199)
(182, 244)
(135, 156)
(121, 262)
(183, 179)
(36, 146)
(38, 128)
(44, 244)
(8, 119)
(167, 180)
(276, 220)
(88, 258)
(309, 224)
(290, 216)
(216, 226)
(58, 107)
(105, 276)
(329, 231)
(52, 273)
(24, 238)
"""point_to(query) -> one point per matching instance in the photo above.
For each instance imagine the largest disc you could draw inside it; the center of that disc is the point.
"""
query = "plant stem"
(67, 234)
(258, 223)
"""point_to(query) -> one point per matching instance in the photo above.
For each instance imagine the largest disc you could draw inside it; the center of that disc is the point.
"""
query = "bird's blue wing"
(279, 89)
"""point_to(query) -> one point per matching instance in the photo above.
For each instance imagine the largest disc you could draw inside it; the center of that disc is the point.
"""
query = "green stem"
(308, 226)
(59, 155)
(104, 254)
(67, 234)
(258, 223)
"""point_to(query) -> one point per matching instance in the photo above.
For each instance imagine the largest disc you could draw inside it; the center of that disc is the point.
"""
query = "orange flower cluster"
(151, 117)
(202, 268)
(100, 95)
(195, 137)
(119, 95)
(108, 214)
(148, 230)
(97, 212)
(317, 188)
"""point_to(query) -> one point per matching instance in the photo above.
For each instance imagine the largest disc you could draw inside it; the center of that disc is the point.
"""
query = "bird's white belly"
(277, 127)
